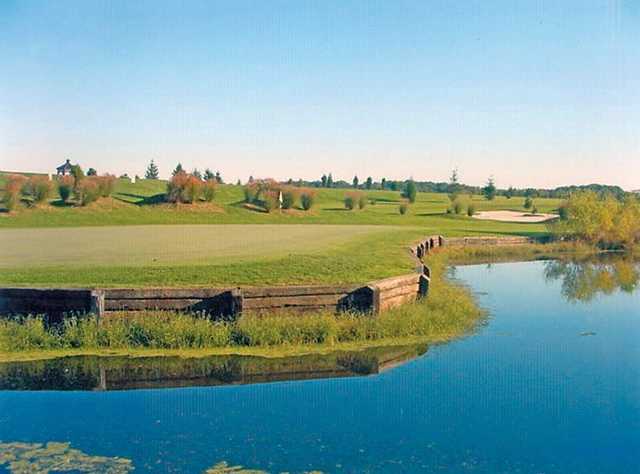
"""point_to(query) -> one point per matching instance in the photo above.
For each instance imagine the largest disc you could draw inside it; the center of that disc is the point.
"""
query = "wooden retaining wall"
(374, 297)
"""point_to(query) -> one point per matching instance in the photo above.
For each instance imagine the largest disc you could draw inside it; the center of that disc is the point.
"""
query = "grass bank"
(449, 312)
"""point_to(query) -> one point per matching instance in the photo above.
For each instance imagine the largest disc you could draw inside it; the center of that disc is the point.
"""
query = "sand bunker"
(513, 216)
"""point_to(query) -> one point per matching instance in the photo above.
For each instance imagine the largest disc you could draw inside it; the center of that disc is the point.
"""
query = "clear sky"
(537, 93)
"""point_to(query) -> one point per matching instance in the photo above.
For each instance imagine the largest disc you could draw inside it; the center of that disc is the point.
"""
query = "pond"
(551, 384)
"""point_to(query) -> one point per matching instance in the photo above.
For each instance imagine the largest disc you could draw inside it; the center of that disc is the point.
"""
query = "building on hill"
(65, 169)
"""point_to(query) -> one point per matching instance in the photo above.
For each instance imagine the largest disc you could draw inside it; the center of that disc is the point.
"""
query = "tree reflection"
(583, 280)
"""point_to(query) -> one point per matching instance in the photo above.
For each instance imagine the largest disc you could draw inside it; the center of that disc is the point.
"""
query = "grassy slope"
(131, 206)
(350, 260)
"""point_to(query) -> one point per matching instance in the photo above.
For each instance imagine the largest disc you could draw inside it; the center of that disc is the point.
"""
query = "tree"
(178, 169)
(528, 203)
(152, 171)
(489, 191)
(355, 181)
(219, 177)
(92, 172)
(383, 183)
(208, 175)
(369, 183)
(454, 185)
(410, 191)
(324, 180)
(196, 173)
(509, 193)
(330, 181)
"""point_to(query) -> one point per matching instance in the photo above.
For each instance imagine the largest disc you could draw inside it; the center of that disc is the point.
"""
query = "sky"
(535, 93)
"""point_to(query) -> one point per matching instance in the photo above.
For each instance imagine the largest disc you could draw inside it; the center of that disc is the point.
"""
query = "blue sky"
(538, 93)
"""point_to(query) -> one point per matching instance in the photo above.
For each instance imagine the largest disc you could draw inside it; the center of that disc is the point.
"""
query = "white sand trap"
(513, 216)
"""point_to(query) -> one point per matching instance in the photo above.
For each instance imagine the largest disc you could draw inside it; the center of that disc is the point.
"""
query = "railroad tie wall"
(393, 292)
(489, 241)
(214, 301)
(52, 302)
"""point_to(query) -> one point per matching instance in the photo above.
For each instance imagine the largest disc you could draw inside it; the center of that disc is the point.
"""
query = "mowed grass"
(133, 239)
(140, 203)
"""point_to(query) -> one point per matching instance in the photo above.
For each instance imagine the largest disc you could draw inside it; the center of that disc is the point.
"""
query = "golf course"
(134, 238)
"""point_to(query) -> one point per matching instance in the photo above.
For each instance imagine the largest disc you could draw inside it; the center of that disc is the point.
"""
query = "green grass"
(138, 204)
(450, 311)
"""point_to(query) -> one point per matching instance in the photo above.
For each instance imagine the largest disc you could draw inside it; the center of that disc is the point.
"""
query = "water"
(550, 385)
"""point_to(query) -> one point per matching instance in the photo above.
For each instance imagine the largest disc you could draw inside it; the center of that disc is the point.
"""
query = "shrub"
(528, 203)
(65, 187)
(534, 210)
(106, 184)
(410, 191)
(87, 191)
(289, 197)
(307, 199)
(362, 201)
(270, 200)
(184, 188)
(250, 193)
(457, 206)
(209, 190)
(12, 191)
(38, 188)
(404, 208)
(471, 210)
(352, 199)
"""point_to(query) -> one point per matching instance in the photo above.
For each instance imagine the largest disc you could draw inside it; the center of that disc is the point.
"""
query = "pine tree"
(152, 171)
(196, 173)
(383, 183)
(218, 178)
(489, 190)
(179, 169)
(323, 180)
(208, 175)
(330, 181)
(355, 181)
(369, 183)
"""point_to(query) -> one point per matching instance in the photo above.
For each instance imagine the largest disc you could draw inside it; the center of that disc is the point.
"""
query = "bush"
(362, 201)
(184, 188)
(528, 203)
(270, 200)
(106, 184)
(404, 208)
(250, 193)
(12, 191)
(307, 199)
(410, 191)
(65, 187)
(471, 210)
(352, 199)
(457, 206)
(209, 190)
(534, 210)
(87, 191)
(289, 197)
(38, 188)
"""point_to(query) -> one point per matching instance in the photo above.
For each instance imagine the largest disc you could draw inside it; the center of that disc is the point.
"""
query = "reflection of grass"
(33, 458)
(449, 311)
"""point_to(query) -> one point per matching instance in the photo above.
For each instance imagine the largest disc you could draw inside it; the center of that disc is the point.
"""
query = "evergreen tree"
(219, 177)
(489, 190)
(323, 180)
(196, 172)
(454, 185)
(330, 181)
(369, 183)
(179, 169)
(152, 171)
(208, 175)
(92, 172)
(509, 193)
(355, 181)
(410, 191)
(383, 183)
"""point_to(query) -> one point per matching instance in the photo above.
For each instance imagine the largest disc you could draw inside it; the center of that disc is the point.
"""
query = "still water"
(551, 384)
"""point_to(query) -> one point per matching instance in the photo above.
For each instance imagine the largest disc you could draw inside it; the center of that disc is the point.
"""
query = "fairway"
(172, 244)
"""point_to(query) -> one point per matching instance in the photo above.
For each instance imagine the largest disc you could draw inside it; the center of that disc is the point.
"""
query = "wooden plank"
(401, 290)
(397, 301)
(287, 301)
(276, 291)
(395, 282)
(48, 293)
(151, 304)
(162, 293)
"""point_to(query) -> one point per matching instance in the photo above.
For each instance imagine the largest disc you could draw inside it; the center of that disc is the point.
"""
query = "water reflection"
(126, 373)
(583, 280)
